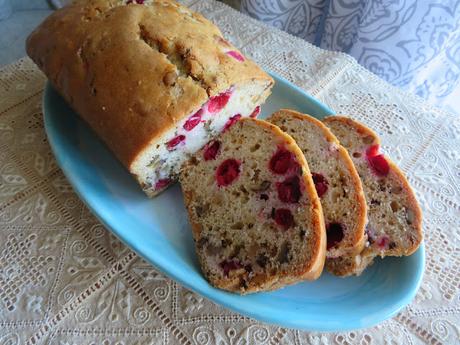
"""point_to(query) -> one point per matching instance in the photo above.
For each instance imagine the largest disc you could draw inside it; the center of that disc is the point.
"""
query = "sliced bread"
(336, 180)
(256, 218)
(394, 217)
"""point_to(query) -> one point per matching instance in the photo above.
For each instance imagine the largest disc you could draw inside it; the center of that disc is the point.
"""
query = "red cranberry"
(255, 112)
(379, 165)
(372, 151)
(289, 190)
(321, 183)
(216, 103)
(236, 55)
(231, 121)
(282, 161)
(334, 232)
(383, 242)
(284, 218)
(227, 172)
(193, 120)
(175, 141)
(211, 150)
(162, 183)
(230, 265)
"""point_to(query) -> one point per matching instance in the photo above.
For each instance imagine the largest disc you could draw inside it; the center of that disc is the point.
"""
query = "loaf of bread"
(336, 180)
(394, 217)
(153, 79)
(256, 217)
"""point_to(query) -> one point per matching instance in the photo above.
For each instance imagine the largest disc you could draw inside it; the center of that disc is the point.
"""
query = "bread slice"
(153, 79)
(256, 217)
(395, 218)
(336, 180)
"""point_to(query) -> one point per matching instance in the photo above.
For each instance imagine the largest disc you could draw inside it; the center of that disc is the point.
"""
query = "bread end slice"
(395, 218)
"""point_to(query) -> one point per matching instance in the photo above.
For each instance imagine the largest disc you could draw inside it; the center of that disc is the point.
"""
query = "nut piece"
(262, 187)
(170, 78)
(410, 216)
(368, 139)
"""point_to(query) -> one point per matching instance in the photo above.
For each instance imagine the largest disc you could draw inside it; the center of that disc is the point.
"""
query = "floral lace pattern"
(64, 279)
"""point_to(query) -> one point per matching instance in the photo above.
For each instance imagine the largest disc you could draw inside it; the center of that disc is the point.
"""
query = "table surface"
(64, 279)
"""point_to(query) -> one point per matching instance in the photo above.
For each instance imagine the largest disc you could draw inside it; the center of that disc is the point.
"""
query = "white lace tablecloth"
(64, 279)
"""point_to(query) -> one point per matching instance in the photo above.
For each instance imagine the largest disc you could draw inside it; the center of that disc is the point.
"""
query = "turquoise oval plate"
(158, 230)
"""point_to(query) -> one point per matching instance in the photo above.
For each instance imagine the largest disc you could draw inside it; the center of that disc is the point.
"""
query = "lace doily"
(64, 279)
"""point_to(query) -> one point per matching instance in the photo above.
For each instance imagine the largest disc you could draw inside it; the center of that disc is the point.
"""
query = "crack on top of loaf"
(93, 13)
(178, 56)
(166, 48)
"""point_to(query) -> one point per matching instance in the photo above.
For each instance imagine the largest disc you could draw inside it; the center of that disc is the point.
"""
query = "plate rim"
(206, 290)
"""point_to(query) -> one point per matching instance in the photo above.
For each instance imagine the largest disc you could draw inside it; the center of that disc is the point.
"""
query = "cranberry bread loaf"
(395, 219)
(256, 217)
(154, 80)
(337, 182)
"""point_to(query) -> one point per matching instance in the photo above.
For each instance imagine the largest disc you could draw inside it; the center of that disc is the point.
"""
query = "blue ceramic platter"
(159, 231)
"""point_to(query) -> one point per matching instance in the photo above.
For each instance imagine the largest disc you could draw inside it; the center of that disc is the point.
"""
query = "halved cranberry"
(162, 183)
(231, 121)
(211, 150)
(175, 141)
(227, 172)
(230, 265)
(289, 190)
(236, 55)
(377, 161)
(282, 161)
(379, 165)
(334, 232)
(193, 120)
(284, 218)
(372, 151)
(255, 112)
(383, 242)
(217, 103)
(321, 183)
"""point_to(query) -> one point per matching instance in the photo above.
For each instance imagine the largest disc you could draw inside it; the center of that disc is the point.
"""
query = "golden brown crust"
(359, 127)
(359, 237)
(351, 266)
(133, 71)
